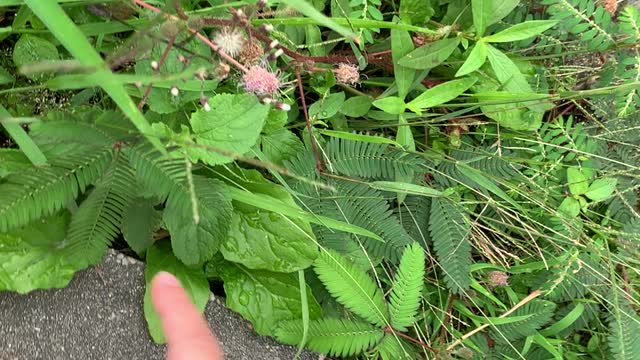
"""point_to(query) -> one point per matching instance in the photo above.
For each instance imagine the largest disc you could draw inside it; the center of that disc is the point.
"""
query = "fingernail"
(167, 279)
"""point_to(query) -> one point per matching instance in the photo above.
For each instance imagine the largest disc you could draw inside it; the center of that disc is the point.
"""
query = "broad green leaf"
(139, 221)
(276, 120)
(196, 235)
(513, 115)
(193, 280)
(500, 9)
(488, 184)
(281, 145)
(569, 207)
(565, 322)
(406, 188)
(482, 11)
(265, 298)
(477, 58)
(264, 240)
(307, 9)
(391, 105)
(272, 204)
(12, 160)
(31, 49)
(358, 137)
(578, 180)
(34, 257)
(356, 106)
(405, 136)
(440, 94)
(507, 72)
(416, 11)
(521, 31)
(401, 45)
(313, 37)
(430, 55)
(601, 189)
(327, 107)
(5, 77)
(233, 125)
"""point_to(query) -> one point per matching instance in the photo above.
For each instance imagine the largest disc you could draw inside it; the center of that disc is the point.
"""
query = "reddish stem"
(314, 146)
(404, 336)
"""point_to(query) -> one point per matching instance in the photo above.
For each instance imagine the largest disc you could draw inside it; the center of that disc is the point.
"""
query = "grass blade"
(77, 44)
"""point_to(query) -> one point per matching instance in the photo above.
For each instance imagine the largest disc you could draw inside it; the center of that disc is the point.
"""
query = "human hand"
(187, 332)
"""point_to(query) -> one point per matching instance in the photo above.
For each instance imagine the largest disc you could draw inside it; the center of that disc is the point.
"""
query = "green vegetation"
(383, 179)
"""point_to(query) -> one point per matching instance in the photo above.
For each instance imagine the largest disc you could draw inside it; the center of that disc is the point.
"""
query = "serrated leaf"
(233, 125)
(265, 298)
(521, 31)
(195, 239)
(30, 49)
(352, 287)
(139, 221)
(407, 288)
(441, 94)
(477, 57)
(281, 145)
(193, 280)
(601, 189)
(34, 257)
(276, 120)
(267, 240)
(430, 55)
(356, 106)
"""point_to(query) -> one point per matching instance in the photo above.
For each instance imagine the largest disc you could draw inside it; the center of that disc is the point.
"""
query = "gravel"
(100, 316)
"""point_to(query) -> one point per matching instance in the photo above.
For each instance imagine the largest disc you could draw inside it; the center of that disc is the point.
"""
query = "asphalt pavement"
(100, 316)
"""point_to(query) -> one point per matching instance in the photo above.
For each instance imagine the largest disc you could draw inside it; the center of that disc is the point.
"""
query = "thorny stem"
(163, 58)
(447, 318)
(426, 346)
(312, 139)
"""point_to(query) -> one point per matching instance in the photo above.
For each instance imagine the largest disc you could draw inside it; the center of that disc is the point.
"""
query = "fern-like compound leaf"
(97, 222)
(369, 160)
(157, 172)
(449, 229)
(407, 288)
(335, 337)
(41, 191)
(532, 316)
(624, 329)
(352, 287)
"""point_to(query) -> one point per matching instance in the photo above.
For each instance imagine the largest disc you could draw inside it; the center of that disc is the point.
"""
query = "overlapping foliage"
(379, 179)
